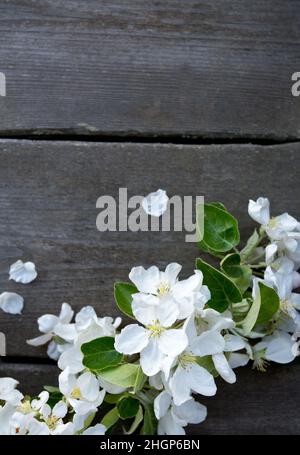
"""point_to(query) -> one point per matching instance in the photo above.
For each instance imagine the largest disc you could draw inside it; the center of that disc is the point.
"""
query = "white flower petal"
(156, 203)
(11, 303)
(53, 351)
(279, 348)
(22, 272)
(151, 358)
(208, 343)
(66, 313)
(88, 385)
(167, 312)
(132, 339)
(39, 341)
(161, 404)
(201, 381)
(171, 273)
(146, 280)
(66, 382)
(191, 411)
(233, 343)
(47, 322)
(192, 379)
(65, 331)
(60, 410)
(237, 360)
(271, 251)
(168, 426)
(185, 287)
(142, 310)
(259, 210)
(223, 368)
(173, 342)
(72, 359)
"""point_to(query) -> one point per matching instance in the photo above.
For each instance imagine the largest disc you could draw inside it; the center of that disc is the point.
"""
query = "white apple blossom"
(281, 277)
(88, 327)
(56, 327)
(283, 230)
(172, 418)
(22, 272)
(157, 340)
(156, 287)
(276, 348)
(83, 393)
(8, 391)
(205, 339)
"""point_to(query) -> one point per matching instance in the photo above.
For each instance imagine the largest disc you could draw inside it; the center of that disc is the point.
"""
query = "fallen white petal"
(22, 272)
(156, 203)
(11, 303)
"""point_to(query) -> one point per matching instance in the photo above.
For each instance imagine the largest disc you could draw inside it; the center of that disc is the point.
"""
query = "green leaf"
(251, 244)
(128, 407)
(223, 290)
(110, 418)
(219, 205)
(221, 233)
(150, 422)
(113, 398)
(123, 297)
(100, 353)
(51, 389)
(123, 375)
(137, 420)
(140, 380)
(264, 306)
(207, 363)
(269, 303)
(240, 274)
(54, 397)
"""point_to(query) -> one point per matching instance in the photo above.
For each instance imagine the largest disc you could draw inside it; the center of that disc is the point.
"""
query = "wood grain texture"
(257, 404)
(32, 377)
(207, 68)
(48, 193)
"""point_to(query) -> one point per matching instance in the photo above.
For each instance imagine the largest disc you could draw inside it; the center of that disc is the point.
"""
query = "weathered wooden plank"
(257, 404)
(48, 194)
(32, 377)
(202, 68)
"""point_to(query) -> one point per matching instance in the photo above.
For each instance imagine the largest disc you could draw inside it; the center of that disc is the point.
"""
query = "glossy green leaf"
(223, 290)
(100, 353)
(123, 297)
(251, 244)
(128, 407)
(137, 420)
(269, 304)
(123, 375)
(140, 380)
(264, 306)
(221, 233)
(150, 422)
(110, 418)
(241, 275)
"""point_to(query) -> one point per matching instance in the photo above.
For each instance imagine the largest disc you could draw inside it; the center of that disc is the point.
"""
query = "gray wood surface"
(201, 68)
(48, 193)
(259, 403)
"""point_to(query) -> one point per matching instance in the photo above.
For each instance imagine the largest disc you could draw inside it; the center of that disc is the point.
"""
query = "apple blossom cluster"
(185, 338)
